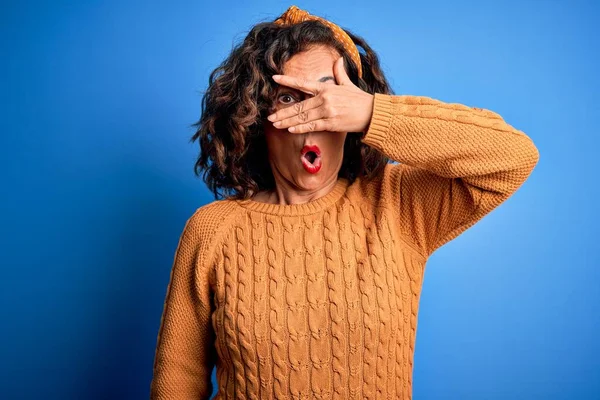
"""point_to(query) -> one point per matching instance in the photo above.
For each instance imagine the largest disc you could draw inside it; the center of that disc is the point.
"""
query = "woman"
(305, 280)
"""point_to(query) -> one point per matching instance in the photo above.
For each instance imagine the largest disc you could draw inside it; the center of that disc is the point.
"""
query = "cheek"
(280, 142)
(334, 143)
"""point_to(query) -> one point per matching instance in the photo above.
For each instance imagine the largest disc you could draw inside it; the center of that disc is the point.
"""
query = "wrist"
(369, 113)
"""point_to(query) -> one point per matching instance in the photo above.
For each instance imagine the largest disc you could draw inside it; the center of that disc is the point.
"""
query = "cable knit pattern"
(245, 312)
(320, 300)
(261, 308)
(367, 300)
(318, 310)
(353, 302)
(336, 305)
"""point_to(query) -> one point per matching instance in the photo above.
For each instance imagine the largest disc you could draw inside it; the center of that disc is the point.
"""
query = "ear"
(341, 76)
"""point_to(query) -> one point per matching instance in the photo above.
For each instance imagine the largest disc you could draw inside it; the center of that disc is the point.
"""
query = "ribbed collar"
(299, 209)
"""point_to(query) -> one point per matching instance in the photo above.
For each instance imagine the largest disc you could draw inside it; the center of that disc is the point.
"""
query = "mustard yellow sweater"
(320, 300)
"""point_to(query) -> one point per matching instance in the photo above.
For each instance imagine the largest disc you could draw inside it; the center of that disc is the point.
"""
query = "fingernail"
(275, 77)
(271, 117)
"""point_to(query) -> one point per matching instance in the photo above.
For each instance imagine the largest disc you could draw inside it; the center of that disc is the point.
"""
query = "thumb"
(341, 76)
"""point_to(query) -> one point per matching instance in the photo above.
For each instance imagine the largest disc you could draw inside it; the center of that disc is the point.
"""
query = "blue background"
(97, 99)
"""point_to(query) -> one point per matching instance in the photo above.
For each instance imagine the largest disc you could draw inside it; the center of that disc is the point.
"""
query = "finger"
(303, 117)
(296, 109)
(304, 85)
(312, 126)
(341, 76)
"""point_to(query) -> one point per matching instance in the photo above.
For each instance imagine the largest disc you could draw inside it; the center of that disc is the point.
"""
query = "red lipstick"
(310, 156)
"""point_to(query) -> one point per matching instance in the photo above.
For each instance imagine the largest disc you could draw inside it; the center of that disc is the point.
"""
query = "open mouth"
(310, 156)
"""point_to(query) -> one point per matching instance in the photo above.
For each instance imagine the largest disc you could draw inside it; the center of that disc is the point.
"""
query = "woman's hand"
(337, 108)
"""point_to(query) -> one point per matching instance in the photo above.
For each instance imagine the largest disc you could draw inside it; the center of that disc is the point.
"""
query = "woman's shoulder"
(204, 228)
(213, 214)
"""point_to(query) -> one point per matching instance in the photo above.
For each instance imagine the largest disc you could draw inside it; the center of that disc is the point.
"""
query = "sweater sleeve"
(457, 164)
(185, 355)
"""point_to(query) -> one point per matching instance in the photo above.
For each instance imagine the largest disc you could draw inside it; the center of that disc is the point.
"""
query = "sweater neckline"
(299, 209)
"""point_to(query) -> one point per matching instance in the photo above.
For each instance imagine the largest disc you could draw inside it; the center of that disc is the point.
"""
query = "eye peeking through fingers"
(286, 99)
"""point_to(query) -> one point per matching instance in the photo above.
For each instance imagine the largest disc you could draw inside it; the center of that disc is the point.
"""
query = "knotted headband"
(294, 15)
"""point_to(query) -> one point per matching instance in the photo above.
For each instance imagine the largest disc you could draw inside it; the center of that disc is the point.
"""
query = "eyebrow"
(327, 78)
(323, 79)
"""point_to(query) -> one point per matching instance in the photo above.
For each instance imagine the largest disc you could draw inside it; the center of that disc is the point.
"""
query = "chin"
(312, 181)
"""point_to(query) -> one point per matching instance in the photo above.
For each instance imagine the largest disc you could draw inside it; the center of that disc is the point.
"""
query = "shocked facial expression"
(306, 161)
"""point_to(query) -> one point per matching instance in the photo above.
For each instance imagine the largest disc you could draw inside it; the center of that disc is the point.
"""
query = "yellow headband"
(294, 15)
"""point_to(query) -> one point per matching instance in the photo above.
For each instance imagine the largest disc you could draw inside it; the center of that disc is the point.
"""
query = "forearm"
(452, 141)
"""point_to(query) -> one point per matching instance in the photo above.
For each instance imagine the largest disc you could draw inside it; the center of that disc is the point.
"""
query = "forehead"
(312, 64)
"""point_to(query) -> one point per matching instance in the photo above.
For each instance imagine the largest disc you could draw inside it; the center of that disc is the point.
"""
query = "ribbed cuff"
(380, 121)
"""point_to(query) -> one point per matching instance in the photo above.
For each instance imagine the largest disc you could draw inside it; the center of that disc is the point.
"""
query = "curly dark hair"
(241, 94)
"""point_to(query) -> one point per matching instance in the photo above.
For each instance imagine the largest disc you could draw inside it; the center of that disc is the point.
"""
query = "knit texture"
(320, 300)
